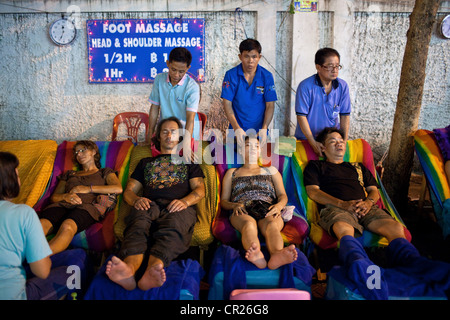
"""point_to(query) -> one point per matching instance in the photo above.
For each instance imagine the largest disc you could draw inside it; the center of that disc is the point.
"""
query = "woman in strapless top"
(255, 196)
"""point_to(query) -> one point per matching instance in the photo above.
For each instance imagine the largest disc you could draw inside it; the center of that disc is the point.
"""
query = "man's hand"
(262, 137)
(317, 147)
(240, 136)
(142, 203)
(349, 206)
(189, 155)
(177, 205)
(362, 207)
(358, 208)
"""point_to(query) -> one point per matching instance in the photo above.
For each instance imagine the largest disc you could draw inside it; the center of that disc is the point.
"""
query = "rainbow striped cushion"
(432, 161)
(206, 208)
(295, 230)
(357, 151)
(114, 155)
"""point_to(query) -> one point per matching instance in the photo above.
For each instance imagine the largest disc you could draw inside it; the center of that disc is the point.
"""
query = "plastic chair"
(295, 230)
(203, 118)
(270, 294)
(432, 162)
(99, 237)
(133, 121)
(358, 150)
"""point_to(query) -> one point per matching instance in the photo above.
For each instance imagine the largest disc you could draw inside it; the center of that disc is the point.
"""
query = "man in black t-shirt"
(346, 193)
(170, 190)
(341, 187)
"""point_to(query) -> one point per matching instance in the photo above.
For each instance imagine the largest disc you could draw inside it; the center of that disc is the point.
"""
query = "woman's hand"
(239, 209)
(275, 210)
(81, 189)
(72, 198)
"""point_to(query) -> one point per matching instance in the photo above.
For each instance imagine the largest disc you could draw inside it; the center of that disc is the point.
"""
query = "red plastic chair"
(203, 118)
(133, 121)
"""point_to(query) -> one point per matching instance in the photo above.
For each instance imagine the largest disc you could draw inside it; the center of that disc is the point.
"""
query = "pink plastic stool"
(270, 294)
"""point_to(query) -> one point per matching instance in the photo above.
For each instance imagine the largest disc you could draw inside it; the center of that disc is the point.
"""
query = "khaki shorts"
(332, 214)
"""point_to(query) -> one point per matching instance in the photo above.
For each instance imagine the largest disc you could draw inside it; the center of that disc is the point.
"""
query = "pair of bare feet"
(280, 258)
(123, 274)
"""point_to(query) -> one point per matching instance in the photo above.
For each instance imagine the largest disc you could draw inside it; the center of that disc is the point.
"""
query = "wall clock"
(62, 32)
(445, 27)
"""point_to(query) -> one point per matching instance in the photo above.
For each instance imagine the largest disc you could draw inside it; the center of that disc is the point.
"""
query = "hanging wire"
(238, 12)
(237, 15)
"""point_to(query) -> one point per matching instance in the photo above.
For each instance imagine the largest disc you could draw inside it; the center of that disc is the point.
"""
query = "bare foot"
(284, 256)
(255, 256)
(120, 273)
(154, 276)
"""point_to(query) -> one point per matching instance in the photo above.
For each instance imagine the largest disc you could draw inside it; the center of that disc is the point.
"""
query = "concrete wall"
(45, 92)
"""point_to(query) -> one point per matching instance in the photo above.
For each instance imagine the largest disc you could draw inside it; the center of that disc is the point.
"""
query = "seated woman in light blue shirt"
(21, 236)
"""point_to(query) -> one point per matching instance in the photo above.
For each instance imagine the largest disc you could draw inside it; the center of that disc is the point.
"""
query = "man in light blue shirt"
(322, 100)
(176, 94)
(248, 92)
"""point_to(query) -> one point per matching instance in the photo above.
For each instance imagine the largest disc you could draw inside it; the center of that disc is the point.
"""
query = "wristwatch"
(373, 202)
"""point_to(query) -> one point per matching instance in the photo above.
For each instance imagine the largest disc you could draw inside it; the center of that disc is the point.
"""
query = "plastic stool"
(270, 294)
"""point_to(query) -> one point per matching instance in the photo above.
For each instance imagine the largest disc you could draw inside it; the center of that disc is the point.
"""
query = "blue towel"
(427, 277)
(230, 261)
(183, 274)
(55, 286)
(409, 274)
(358, 268)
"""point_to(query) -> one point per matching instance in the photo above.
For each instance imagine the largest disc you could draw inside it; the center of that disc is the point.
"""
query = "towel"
(359, 269)
(181, 275)
(408, 276)
(230, 261)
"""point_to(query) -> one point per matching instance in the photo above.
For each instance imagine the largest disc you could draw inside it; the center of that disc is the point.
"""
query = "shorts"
(332, 214)
(56, 216)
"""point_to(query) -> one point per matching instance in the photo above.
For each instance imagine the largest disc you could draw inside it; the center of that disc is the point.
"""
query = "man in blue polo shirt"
(176, 94)
(248, 92)
(322, 100)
